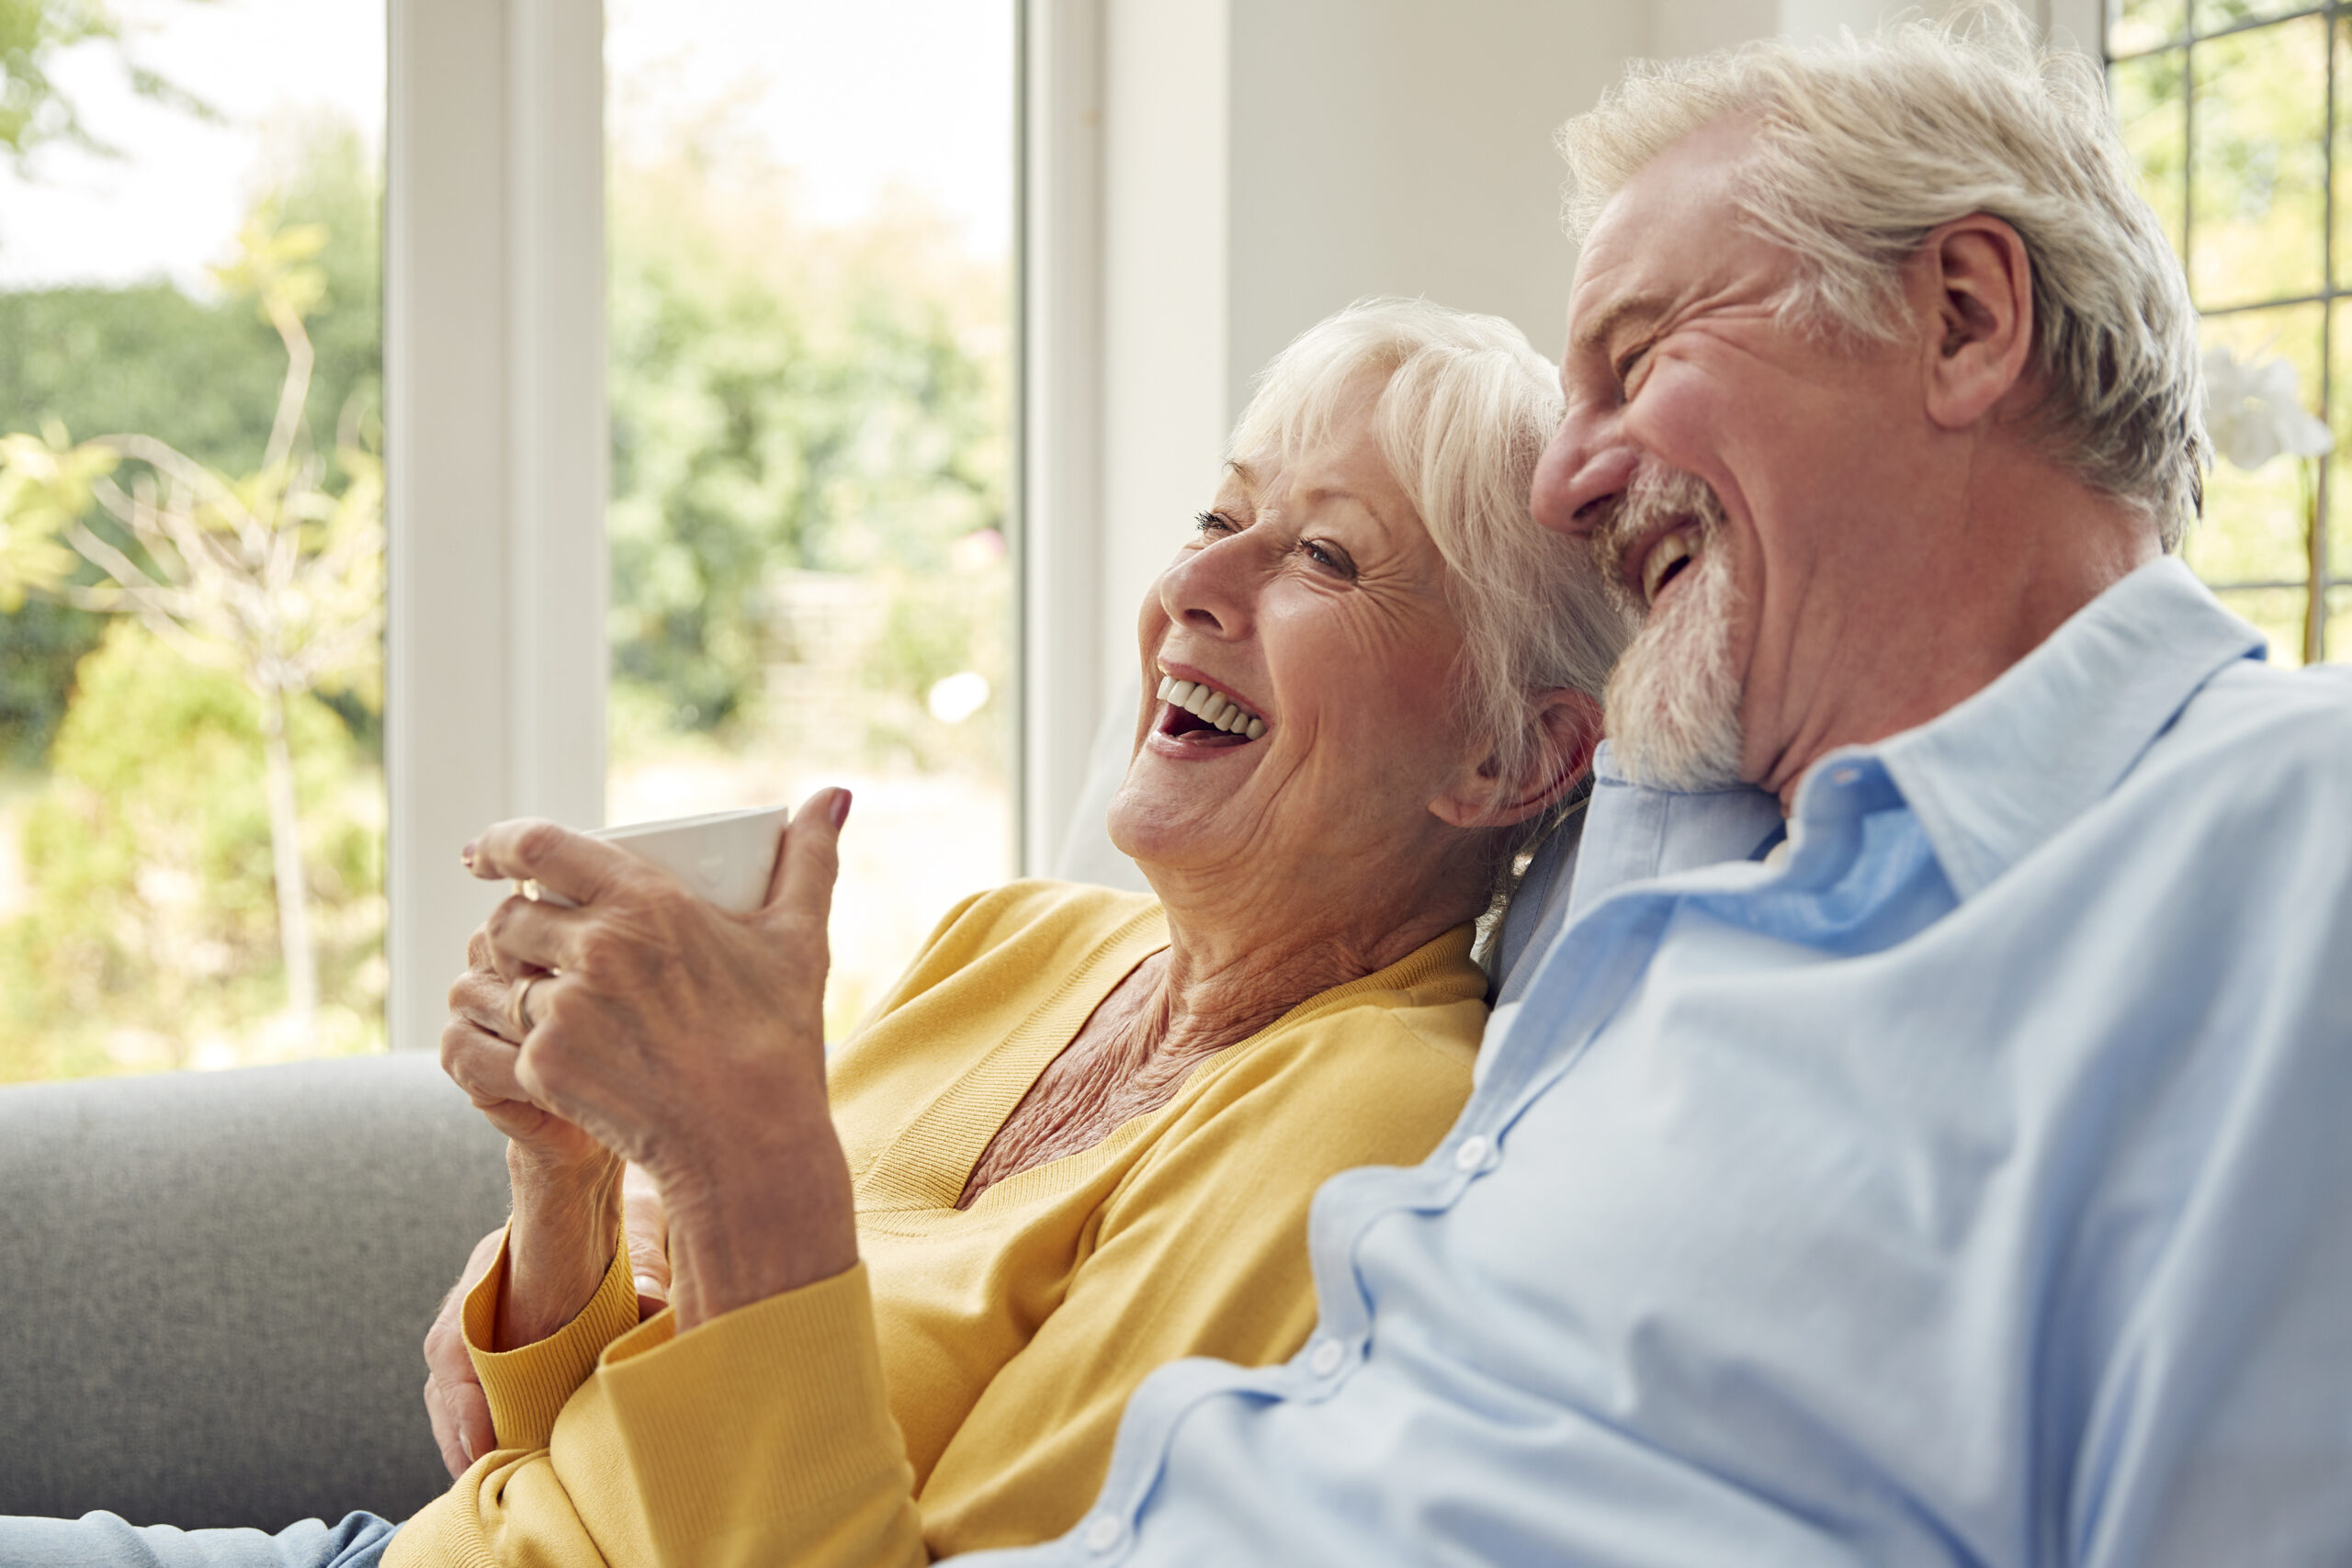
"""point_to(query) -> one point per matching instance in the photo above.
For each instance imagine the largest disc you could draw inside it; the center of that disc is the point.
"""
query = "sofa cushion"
(215, 1286)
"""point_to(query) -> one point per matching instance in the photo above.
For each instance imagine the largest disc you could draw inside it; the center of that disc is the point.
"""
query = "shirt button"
(1471, 1152)
(1104, 1533)
(1327, 1358)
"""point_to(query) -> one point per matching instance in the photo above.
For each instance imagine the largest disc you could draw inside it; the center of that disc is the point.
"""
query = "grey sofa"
(213, 1286)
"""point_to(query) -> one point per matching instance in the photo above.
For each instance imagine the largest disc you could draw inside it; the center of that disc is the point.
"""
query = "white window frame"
(496, 456)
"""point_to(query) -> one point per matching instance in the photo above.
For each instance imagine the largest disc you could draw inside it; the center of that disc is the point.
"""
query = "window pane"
(2339, 483)
(2149, 108)
(2136, 24)
(2342, 170)
(2252, 528)
(2258, 140)
(2279, 612)
(811, 221)
(191, 803)
(2212, 15)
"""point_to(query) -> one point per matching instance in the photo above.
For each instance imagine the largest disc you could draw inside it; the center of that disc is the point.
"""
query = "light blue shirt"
(1969, 1182)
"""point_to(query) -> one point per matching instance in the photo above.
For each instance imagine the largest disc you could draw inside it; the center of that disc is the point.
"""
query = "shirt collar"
(1999, 773)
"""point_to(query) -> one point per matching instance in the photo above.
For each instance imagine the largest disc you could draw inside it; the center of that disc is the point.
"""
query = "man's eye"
(1628, 366)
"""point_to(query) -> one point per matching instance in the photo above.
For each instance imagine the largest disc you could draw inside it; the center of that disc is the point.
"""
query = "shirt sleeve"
(527, 1387)
(2220, 1426)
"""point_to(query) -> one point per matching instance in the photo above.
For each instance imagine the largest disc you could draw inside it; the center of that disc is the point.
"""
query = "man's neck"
(2032, 561)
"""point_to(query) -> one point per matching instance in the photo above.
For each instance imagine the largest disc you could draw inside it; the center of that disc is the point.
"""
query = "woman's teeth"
(1209, 703)
(1665, 556)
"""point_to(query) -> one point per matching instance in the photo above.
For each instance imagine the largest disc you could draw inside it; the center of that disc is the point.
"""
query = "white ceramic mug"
(724, 856)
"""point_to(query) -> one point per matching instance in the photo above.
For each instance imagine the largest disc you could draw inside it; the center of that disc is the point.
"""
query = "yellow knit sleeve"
(527, 1387)
(810, 1472)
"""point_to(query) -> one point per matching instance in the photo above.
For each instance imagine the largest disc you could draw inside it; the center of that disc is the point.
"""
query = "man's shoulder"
(2257, 727)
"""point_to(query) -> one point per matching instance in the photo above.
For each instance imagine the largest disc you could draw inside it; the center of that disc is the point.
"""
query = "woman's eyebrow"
(1340, 493)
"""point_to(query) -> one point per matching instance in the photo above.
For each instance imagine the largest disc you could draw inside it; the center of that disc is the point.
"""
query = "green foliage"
(33, 111)
(200, 376)
(153, 927)
(781, 399)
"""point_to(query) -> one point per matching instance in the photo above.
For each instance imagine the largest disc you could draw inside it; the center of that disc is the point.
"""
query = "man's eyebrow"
(1632, 308)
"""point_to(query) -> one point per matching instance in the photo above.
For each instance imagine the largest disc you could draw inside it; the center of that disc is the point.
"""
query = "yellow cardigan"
(961, 1387)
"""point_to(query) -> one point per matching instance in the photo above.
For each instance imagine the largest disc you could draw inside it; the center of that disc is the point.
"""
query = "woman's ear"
(1567, 724)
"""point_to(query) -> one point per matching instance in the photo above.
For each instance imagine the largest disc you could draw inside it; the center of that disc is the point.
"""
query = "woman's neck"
(1233, 966)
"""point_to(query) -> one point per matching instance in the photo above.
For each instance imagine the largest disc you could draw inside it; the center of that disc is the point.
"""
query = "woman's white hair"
(1863, 146)
(1464, 410)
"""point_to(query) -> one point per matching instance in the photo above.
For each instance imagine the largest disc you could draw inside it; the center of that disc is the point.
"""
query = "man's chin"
(1673, 701)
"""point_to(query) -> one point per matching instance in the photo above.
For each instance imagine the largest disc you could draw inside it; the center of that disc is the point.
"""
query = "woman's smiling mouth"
(1198, 716)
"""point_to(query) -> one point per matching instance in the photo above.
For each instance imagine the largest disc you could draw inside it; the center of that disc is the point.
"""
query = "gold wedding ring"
(518, 1011)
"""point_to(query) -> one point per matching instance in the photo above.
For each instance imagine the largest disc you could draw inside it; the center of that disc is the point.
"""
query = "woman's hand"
(691, 1042)
(453, 1398)
(566, 1184)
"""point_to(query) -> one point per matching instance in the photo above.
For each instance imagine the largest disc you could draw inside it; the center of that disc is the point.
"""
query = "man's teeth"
(1664, 555)
(1208, 703)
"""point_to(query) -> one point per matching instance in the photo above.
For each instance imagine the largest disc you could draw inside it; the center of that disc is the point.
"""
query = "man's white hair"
(1863, 145)
(1464, 409)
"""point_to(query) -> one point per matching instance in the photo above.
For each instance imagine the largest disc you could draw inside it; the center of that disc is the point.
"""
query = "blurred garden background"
(808, 251)
(810, 396)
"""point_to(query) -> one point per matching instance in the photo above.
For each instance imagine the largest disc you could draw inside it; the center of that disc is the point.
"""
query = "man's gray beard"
(1673, 700)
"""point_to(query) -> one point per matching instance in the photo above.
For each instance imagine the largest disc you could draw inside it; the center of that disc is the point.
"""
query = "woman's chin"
(1156, 827)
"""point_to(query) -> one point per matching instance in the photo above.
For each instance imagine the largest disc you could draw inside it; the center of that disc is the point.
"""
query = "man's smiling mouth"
(1667, 560)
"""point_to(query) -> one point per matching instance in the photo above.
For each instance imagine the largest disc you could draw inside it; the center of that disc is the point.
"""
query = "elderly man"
(1928, 1139)
(1961, 1173)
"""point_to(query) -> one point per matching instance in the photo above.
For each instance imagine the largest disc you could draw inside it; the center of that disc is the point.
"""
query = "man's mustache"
(1657, 497)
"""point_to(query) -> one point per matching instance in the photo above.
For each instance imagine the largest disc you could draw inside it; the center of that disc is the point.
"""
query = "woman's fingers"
(648, 1224)
(528, 850)
(482, 1064)
(811, 859)
(481, 999)
(528, 937)
(452, 1396)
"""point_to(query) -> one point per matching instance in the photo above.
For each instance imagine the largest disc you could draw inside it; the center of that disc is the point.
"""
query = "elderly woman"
(913, 1286)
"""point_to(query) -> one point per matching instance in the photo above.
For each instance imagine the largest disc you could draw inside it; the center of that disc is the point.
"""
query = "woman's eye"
(1328, 556)
(1213, 524)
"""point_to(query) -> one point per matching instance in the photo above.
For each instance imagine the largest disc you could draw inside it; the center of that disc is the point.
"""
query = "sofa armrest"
(213, 1286)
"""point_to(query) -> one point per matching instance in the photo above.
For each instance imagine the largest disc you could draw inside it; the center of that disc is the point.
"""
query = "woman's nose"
(1210, 590)
(1578, 476)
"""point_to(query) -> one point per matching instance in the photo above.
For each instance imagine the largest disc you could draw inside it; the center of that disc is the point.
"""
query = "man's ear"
(1972, 287)
(1569, 724)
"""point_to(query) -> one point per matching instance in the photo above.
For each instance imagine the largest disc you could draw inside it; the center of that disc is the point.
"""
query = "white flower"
(2253, 415)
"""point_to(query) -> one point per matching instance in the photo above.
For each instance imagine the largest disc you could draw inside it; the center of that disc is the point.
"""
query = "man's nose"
(1578, 476)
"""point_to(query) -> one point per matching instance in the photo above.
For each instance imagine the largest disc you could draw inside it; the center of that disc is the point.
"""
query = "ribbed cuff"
(764, 1426)
(527, 1388)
